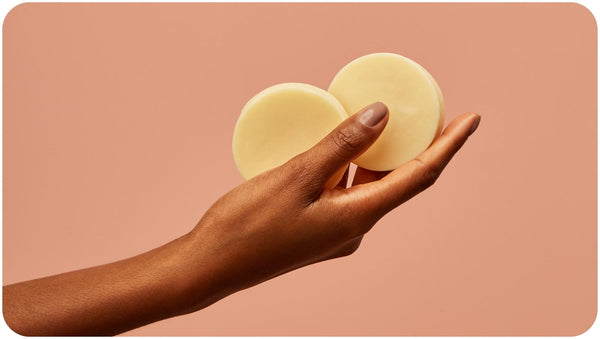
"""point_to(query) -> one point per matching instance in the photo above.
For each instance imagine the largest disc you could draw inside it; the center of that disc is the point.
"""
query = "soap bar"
(414, 100)
(281, 122)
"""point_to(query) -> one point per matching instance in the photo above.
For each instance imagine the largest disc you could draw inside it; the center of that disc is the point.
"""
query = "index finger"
(415, 176)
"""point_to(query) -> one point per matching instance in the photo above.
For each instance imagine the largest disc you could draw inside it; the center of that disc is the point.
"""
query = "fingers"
(415, 176)
(350, 139)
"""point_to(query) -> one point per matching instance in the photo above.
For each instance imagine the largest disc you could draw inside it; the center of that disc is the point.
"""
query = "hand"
(278, 221)
(284, 218)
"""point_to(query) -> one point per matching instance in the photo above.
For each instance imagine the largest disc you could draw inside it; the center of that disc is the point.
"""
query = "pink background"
(118, 121)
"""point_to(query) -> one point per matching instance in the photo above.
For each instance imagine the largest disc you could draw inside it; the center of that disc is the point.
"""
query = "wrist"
(198, 283)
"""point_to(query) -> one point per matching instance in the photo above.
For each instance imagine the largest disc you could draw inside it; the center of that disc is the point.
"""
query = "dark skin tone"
(277, 222)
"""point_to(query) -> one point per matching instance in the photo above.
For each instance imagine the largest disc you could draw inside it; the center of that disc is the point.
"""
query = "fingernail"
(475, 124)
(373, 114)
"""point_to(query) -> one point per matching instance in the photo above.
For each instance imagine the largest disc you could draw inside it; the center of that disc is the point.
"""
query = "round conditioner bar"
(414, 100)
(283, 121)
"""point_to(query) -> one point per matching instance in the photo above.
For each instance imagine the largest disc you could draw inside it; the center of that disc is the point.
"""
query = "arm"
(112, 298)
(274, 223)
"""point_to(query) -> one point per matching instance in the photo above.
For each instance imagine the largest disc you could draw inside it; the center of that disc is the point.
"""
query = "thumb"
(349, 140)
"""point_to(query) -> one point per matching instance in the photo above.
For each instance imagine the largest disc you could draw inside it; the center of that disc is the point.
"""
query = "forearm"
(112, 298)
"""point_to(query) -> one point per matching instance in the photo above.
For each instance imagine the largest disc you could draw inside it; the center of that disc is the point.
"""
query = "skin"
(277, 222)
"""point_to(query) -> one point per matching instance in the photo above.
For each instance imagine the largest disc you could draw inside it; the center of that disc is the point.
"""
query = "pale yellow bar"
(283, 121)
(413, 97)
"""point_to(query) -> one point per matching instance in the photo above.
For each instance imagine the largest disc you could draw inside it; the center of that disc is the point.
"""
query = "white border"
(6, 6)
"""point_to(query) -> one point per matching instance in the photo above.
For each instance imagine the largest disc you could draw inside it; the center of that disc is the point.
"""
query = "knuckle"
(428, 174)
(345, 141)
(364, 227)
(359, 228)
(348, 249)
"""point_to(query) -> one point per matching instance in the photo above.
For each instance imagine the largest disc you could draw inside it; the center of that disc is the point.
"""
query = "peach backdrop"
(118, 121)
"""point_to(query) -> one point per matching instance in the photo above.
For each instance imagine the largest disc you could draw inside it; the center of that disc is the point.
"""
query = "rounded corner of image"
(12, 11)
